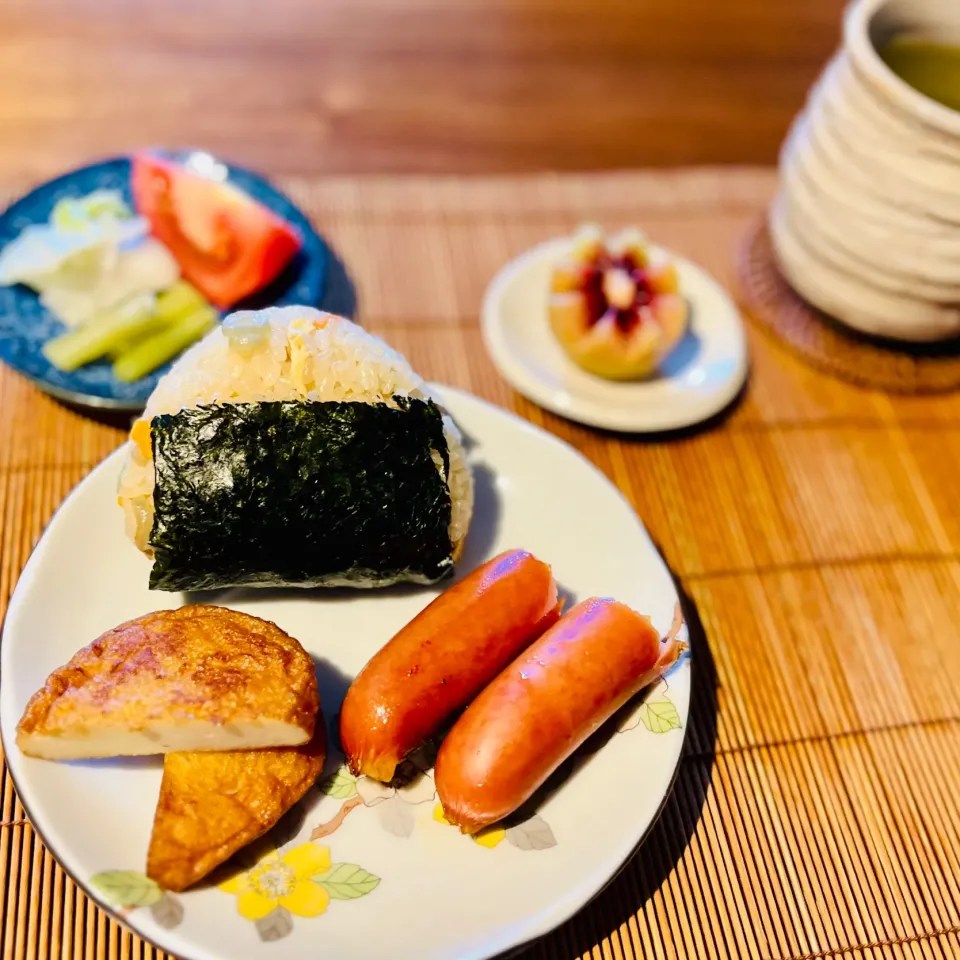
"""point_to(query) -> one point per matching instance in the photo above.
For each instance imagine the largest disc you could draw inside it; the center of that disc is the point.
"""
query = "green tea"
(932, 68)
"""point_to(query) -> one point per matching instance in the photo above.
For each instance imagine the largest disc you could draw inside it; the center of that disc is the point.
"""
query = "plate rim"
(535, 928)
(116, 405)
(593, 414)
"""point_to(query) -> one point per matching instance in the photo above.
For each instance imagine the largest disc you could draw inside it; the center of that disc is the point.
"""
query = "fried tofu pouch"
(214, 803)
(200, 677)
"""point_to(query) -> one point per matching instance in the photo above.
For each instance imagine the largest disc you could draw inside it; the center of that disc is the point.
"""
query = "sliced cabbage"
(75, 213)
(43, 255)
(78, 296)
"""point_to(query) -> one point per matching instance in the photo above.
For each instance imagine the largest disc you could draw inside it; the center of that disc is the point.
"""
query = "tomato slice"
(228, 244)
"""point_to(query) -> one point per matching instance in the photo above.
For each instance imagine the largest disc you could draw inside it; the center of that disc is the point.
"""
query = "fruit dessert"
(615, 308)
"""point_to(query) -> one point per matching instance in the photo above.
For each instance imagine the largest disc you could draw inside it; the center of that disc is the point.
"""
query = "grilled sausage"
(443, 658)
(543, 706)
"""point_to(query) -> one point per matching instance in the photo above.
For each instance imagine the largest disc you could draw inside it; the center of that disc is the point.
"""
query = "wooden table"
(815, 535)
(353, 86)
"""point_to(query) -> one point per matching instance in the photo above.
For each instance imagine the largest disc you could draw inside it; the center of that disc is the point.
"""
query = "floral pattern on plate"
(127, 890)
(277, 887)
(657, 712)
(300, 882)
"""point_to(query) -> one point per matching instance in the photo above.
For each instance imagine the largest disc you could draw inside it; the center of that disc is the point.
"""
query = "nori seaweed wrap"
(343, 473)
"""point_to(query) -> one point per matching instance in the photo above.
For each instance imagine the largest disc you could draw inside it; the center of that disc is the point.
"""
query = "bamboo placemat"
(815, 532)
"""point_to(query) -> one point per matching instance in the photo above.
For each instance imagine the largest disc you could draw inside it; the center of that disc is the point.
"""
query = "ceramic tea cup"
(866, 226)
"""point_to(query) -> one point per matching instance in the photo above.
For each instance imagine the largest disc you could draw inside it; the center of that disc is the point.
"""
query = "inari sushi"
(290, 447)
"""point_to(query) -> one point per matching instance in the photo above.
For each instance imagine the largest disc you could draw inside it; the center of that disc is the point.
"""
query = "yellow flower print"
(282, 882)
(489, 837)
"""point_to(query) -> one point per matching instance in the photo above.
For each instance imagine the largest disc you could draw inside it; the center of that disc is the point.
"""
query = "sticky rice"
(284, 354)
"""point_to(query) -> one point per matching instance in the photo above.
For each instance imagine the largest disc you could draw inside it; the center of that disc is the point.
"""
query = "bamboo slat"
(814, 531)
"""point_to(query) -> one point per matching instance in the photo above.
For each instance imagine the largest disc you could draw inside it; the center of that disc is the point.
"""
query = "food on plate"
(163, 344)
(115, 288)
(615, 306)
(77, 213)
(103, 268)
(126, 331)
(552, 697)
(229, 698)
(89, 342)
(138, 335)
(213, 804)
(227, 243)
(109, 280)
(173, 305)
(81, 247)
(291, 447)
(90, 257)
(197, 678)
(443, 658)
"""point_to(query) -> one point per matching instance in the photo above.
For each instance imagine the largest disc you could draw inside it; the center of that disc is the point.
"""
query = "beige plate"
(365, 871)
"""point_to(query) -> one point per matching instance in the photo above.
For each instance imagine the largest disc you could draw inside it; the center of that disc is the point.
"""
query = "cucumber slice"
(95, 339)
(146, 355)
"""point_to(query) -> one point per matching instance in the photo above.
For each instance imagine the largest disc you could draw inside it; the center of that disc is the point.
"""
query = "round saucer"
(701, 377)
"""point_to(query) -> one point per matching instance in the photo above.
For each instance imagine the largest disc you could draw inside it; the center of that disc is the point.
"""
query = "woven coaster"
(774, 306)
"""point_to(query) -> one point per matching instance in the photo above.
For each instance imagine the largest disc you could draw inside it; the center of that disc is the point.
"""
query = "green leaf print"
(660, 716)
(532, 834)
(341, 785)
(126, 888)
(347, 881)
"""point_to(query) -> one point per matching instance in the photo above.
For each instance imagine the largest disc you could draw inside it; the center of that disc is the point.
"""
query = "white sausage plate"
(384, 876)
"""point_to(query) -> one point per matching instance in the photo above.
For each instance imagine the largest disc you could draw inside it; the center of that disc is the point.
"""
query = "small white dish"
(397, 882)
(697, 380)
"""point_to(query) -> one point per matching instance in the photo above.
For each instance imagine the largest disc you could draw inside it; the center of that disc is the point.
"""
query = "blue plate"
(25, 325)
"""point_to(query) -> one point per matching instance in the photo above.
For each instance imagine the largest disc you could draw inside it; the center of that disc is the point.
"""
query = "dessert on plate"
(615, 305)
